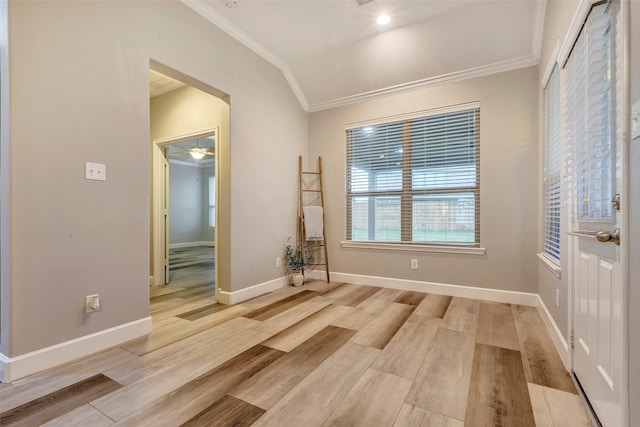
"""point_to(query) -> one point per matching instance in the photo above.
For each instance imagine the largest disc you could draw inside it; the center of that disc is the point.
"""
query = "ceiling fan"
(199, 153)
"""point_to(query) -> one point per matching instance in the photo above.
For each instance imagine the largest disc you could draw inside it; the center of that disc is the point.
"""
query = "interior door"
(593, 121)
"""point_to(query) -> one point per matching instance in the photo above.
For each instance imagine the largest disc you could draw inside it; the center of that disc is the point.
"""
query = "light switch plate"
(95, 171)
(635, 120)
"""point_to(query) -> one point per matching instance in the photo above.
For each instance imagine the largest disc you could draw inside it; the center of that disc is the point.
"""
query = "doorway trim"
(159, 237)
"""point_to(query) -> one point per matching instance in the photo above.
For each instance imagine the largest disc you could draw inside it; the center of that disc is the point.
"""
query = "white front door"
(598, 331)
(597, 170)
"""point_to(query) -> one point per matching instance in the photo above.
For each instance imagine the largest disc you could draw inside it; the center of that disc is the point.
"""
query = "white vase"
(298, 279)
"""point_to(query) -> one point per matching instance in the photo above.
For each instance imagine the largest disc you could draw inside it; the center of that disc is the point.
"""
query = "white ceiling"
(159, 84)
(333, 53)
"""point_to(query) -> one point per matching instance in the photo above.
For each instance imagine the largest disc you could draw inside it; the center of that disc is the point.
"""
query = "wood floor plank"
(462, 315)
(496, 326)
(341, 291)
(355, 296)
(179, 309)
(187, 401)
(167, 304)
(206, 310)
(281, 306)
(293, 315)
(541, 361)
(314, 398)
(295, 335)
(227, 411)
(379, 300)
(498, 392)
(412, 416)
(203, 290)
(157, 291)
(380, 331)
(375, 399)
(85, 415)
(556, 408)
(362, 315)
(410, 297)
(442, 383)
(527, 313)
(355, 318)
(153, 376)
(433, 305)
(51, 406)
(404, 354)
(41, 384)
(274, 296)
(267, 387)
(320, 286)
(166, 331)
(174, 329)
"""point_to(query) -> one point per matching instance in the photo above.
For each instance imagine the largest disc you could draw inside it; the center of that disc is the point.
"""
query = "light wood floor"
(319, 355)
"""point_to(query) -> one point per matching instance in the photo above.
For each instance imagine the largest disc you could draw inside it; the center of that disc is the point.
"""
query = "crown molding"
(538, 28)
(485, 70)
(201, 7)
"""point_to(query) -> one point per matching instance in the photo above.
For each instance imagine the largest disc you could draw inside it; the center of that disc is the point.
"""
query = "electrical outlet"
(95, 171)
(557, 297)
(278, 262)
(92, 303)
(414, 264)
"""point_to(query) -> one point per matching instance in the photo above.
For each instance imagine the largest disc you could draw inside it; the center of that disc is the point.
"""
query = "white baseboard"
(556, 335)
(191, 244)
(496, 295)
(13, 368)
(240, 295)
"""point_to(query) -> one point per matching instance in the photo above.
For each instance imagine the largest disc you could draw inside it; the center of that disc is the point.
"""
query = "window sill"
(551, 265)
(414, 248)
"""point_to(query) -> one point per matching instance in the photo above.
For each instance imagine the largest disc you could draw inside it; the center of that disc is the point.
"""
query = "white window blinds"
(552, 166)
(589, 122)
(415, 180)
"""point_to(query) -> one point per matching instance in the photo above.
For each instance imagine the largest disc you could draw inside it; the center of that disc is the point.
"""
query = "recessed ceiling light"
(383, 20)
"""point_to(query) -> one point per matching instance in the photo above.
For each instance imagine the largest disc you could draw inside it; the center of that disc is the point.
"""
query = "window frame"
(212, 201)
(406, 193)
(551, 176)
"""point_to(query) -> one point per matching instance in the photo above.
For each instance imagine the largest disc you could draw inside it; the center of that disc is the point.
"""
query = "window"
(416, 180)
(589, 122)
(551, 173)
(212, 201)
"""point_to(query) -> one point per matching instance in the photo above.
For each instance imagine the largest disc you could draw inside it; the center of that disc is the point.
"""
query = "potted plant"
(294, 262)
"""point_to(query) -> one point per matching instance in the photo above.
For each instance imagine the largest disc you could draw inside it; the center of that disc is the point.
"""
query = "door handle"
(605, 236)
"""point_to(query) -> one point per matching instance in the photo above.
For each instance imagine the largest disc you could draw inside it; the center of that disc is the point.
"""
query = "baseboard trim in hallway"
(13, 368)
(235, 297)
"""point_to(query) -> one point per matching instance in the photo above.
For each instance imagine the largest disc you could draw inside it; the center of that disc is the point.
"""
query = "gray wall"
(185, 203)
(508, 176)
(80, 84)
(634, 228)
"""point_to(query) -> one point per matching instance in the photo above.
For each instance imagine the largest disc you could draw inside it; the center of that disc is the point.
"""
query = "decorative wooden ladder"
(312, 194)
